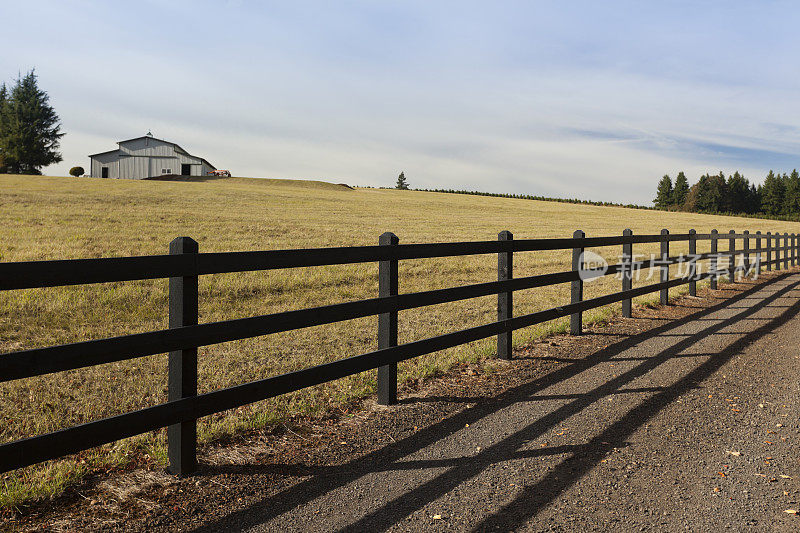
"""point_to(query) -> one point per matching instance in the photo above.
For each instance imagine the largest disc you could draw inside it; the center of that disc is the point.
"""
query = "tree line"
(778, 196)
(535, 197)
(30, 129)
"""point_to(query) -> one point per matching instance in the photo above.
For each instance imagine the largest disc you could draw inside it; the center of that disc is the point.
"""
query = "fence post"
(786, 251)
(387, 322)
(712, 283)
(665, 265)
(769, 251)
(794, 249)
(576, 292)
(758, 254)
(746, 251)
(627, 272)
(183, 311)
(692, 262)
(505, 300)
(731, 255)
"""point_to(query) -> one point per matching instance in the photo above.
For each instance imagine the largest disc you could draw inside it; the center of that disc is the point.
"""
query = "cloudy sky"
(594, 99)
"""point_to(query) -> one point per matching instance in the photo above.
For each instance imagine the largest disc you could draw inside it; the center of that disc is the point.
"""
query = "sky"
(591, 100)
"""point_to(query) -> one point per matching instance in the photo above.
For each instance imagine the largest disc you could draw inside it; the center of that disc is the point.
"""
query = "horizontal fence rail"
(184, 264)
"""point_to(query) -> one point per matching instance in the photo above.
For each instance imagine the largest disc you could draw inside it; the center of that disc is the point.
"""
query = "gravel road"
(681, 419)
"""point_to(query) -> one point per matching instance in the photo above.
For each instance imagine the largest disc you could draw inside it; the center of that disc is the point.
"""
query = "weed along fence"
(184, 264)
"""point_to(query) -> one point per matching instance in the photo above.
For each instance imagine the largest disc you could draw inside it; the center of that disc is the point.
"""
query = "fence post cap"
(692, 231)
(627, 231)
(665, 231)
(183, 245)
(578, 234)
(505, 235)
(388, 238)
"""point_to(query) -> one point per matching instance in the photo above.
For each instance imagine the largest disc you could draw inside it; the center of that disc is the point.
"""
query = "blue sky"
(594, 100)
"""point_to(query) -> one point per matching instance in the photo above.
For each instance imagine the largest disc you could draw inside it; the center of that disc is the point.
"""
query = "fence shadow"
(582, 458)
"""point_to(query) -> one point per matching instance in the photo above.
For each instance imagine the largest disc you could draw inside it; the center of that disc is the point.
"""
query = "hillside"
(61, 218)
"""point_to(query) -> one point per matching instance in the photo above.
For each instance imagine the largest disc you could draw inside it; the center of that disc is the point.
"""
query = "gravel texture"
(681, 419)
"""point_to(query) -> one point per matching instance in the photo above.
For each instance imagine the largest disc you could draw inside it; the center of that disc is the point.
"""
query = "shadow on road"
(582, 457)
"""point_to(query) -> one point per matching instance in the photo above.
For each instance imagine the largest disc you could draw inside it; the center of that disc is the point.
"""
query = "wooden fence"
(184, 264)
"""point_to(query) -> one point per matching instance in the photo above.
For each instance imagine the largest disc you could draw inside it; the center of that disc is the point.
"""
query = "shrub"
(76, 171)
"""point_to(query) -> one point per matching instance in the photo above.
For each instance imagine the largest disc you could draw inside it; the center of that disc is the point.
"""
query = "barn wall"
(134, 168)
(159, 164)
(110, 160)
(146, 158)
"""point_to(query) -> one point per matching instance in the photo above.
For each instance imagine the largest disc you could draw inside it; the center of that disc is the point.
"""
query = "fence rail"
(184, 264)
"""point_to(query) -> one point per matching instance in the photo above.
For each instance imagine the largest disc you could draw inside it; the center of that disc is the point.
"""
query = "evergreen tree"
(30, 129)
(680, 191)
(791, 198)
(3, 103)
(754, 200)
(664, 194)
(772, 194)
(711, 193)
(402, 183)
(690, 204)
(738, 193)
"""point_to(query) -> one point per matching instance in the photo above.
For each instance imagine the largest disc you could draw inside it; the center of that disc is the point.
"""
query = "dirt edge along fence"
(184, 264)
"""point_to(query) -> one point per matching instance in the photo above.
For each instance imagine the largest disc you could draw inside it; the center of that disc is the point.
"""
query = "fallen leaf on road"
(439, 517)
(784, 476)
(767, 442)
(735, 454)
(791, 511)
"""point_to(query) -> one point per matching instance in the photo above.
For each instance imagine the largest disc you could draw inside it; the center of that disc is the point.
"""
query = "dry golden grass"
(60, 218)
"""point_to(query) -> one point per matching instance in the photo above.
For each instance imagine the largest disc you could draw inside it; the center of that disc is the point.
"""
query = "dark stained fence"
(184, 264)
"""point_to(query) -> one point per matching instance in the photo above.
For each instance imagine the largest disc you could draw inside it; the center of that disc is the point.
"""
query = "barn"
(147, 157)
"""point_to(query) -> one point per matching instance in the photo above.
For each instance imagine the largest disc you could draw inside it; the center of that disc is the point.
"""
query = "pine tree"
(3, 103)
(690, 204)
(711, 194)
(664, 194)
(754, 200)
(30, 129)
(772, 194)
(738, 193)
(402, 183)
(791, 199)
(680, 191)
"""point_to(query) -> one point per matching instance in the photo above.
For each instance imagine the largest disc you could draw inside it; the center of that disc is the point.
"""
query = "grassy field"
(61, 218)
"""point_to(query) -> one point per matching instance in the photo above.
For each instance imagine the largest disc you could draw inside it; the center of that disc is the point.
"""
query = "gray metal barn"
(147, 157)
